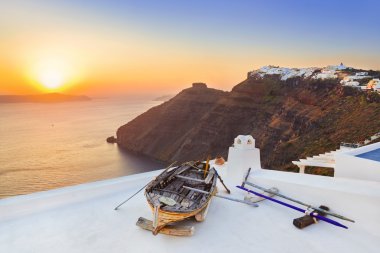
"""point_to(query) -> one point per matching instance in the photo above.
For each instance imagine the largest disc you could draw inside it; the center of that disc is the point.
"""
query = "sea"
(46, 146)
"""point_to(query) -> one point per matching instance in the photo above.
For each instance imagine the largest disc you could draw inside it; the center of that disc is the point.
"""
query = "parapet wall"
(349, 165)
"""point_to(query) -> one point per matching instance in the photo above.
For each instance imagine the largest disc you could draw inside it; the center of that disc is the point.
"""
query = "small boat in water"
(180, 192)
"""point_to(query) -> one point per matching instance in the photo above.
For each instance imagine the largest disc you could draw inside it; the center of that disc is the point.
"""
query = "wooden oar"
(122, 203)
(221, 180)
(207, 165)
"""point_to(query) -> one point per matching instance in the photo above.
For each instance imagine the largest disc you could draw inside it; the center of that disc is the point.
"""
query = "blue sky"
(313, 28)
(184, 41)
(335, 24)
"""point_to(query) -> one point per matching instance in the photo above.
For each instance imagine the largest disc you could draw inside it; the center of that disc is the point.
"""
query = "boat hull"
(180, 193)
(166, 217)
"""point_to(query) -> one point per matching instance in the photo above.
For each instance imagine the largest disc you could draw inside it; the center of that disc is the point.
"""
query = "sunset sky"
(134, 47)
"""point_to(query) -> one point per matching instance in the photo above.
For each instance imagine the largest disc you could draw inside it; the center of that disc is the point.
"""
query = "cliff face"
(289, 120)
(172, 129)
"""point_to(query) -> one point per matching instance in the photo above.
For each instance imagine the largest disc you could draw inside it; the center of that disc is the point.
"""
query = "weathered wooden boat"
(181, 192)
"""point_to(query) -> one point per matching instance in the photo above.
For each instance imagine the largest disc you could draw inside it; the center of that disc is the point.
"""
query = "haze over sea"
(46, 146)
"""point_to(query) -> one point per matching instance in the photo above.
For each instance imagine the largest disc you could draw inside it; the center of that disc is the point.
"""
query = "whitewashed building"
(351, 83)
(374, 84)
(341, 66)
(326, 74)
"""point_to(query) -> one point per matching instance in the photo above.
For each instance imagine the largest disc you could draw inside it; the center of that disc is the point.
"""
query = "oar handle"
(221, 180)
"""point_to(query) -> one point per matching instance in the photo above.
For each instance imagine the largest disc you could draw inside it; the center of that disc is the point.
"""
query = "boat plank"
(209, 177)
(201, 216)
(168, 229)
(190, 178)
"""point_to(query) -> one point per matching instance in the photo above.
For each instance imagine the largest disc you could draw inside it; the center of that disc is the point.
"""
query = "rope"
(311, 211)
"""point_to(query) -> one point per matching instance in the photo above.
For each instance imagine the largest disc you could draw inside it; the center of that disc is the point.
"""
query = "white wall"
(355, 199)
(350, 166)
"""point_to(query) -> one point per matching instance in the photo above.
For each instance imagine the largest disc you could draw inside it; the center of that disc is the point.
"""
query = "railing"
(350, 145)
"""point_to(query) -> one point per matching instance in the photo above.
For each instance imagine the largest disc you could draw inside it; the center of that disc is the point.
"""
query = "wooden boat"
(173, 195)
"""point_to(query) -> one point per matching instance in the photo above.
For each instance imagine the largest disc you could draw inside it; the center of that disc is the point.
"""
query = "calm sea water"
(45, 146)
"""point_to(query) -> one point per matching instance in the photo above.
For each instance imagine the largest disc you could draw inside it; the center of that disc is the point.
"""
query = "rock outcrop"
(289, 119)
(42, 98)
(111, 139)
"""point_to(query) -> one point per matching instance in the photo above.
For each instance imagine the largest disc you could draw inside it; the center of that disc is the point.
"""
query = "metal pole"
(122, 203)
(295, 208)
(299, 202)
(223, 197)
(237, 200)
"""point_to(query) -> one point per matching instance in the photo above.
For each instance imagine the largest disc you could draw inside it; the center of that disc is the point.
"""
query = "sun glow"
(53, 74)
(51, 79)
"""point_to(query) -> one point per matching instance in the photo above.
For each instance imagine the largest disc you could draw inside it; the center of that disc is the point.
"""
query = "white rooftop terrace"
(82, 219)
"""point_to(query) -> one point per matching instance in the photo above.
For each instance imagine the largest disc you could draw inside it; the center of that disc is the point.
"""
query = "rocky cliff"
(289, 119)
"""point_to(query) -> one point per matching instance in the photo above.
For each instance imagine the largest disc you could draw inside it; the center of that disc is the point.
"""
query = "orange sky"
(80, 49)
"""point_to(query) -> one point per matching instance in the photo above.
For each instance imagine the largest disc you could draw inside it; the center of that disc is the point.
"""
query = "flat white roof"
(81, 219)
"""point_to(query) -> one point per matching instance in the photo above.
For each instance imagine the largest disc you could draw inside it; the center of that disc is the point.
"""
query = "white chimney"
(241, 156)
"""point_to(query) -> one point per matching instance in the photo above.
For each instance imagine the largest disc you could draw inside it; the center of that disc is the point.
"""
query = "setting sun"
(52, 73)
(51, 79)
